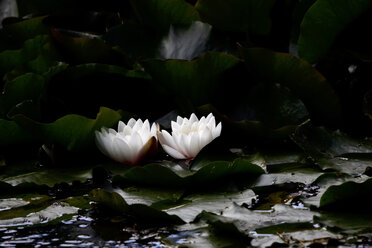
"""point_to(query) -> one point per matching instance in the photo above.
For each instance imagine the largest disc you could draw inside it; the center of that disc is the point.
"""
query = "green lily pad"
(323, 22)
(347, 196)
(162, 13)
(50, 177)
(25, 29)
(148, 196)
(168, 174)
(36, 55)
(50, 213)
(26, 87)
(74, 132)
(141, 212)
(211, 202)
(237, 15)
(300, 77)
(80, 50)
(247, 221)
(243, 129)
(327, 180)
(195, 80)
(350, 223)
(12, 133)
(319, 142)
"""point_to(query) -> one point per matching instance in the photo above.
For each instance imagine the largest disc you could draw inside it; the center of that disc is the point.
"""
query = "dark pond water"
(81, 231)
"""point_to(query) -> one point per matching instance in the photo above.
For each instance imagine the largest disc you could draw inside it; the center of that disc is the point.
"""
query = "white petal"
(195, 127)
(211, 123)
(194, 144)
(193, 118)
(121, 126)
(179, 120)
(175, 126)
(186, 141)
(112, 131)
(166, 139)
(121, 151)
(180, 145)
(135, 143)
(154, 129)
(138, 125)
(101, 142)
(172, 152)
(127, 130)
(205, 137)
(217, 131)
(146, 126)
(209, 117)
(131, 122)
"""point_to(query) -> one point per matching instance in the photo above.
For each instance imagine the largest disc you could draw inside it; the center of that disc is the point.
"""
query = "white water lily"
(189, 136)
(131, 143)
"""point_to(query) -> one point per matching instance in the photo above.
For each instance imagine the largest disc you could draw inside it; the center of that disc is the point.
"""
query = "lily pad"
(327, 180)
(237, 15)
(23, 30)
(323, 22)
(36, 55)
(350, 223)
(162, 13)
(50, 213)
(300, 77)
(247, 221)
(211, 202)
(196, 80)
(347, 196)
(74, 132)
(12, 133)
(168, 174)
(141, 212)
(243, 129)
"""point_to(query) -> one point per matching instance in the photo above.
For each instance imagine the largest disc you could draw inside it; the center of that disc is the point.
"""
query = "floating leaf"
(115, 202)
(26, 29)
(245, 128)
(327, 180)
(196, 80)
(247, 221)
(74, 132)
(300, 77)
(168, 174)
(350, 223)
(162, 13)
(237, 15)
(347, 196)
(79, 50)
(11, 133)
(323, 22)
(211, 202)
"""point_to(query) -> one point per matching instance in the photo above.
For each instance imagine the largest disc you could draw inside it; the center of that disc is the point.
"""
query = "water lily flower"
(189, 136)
(131, 143)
